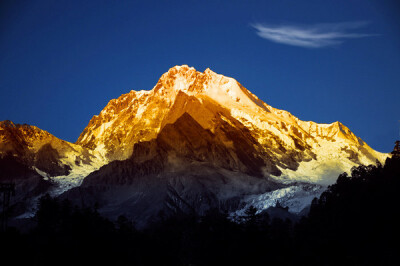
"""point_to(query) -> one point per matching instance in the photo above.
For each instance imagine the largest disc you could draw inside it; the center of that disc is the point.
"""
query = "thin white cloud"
(311, 36)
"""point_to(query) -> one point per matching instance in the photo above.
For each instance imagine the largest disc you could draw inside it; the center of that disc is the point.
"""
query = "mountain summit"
(289, 147)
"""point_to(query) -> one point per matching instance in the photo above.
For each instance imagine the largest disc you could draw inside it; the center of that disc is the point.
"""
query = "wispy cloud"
(311, 36)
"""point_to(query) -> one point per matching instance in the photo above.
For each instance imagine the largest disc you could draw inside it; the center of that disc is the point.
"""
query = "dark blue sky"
(62, 61)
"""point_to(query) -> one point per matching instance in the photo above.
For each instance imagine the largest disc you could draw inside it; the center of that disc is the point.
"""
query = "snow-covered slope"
(295, 197)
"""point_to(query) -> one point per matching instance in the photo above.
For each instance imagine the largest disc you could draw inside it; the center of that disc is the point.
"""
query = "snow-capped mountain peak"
(212, 99)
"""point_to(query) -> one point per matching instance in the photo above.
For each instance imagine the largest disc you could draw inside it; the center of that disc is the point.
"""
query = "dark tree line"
(354, 222)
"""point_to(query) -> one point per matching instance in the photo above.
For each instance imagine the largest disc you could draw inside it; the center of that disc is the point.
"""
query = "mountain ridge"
(144, 113)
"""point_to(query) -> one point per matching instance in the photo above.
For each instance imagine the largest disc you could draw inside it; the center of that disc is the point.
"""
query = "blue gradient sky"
(62, 61)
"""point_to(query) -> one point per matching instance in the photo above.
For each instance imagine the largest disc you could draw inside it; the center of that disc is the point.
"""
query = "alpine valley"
(196, 141)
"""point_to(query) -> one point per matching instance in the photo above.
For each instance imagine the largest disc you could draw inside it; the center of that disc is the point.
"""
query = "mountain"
(196, 141)
(289, 147)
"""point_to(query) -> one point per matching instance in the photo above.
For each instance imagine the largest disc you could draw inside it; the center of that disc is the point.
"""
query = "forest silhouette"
(354, 222)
